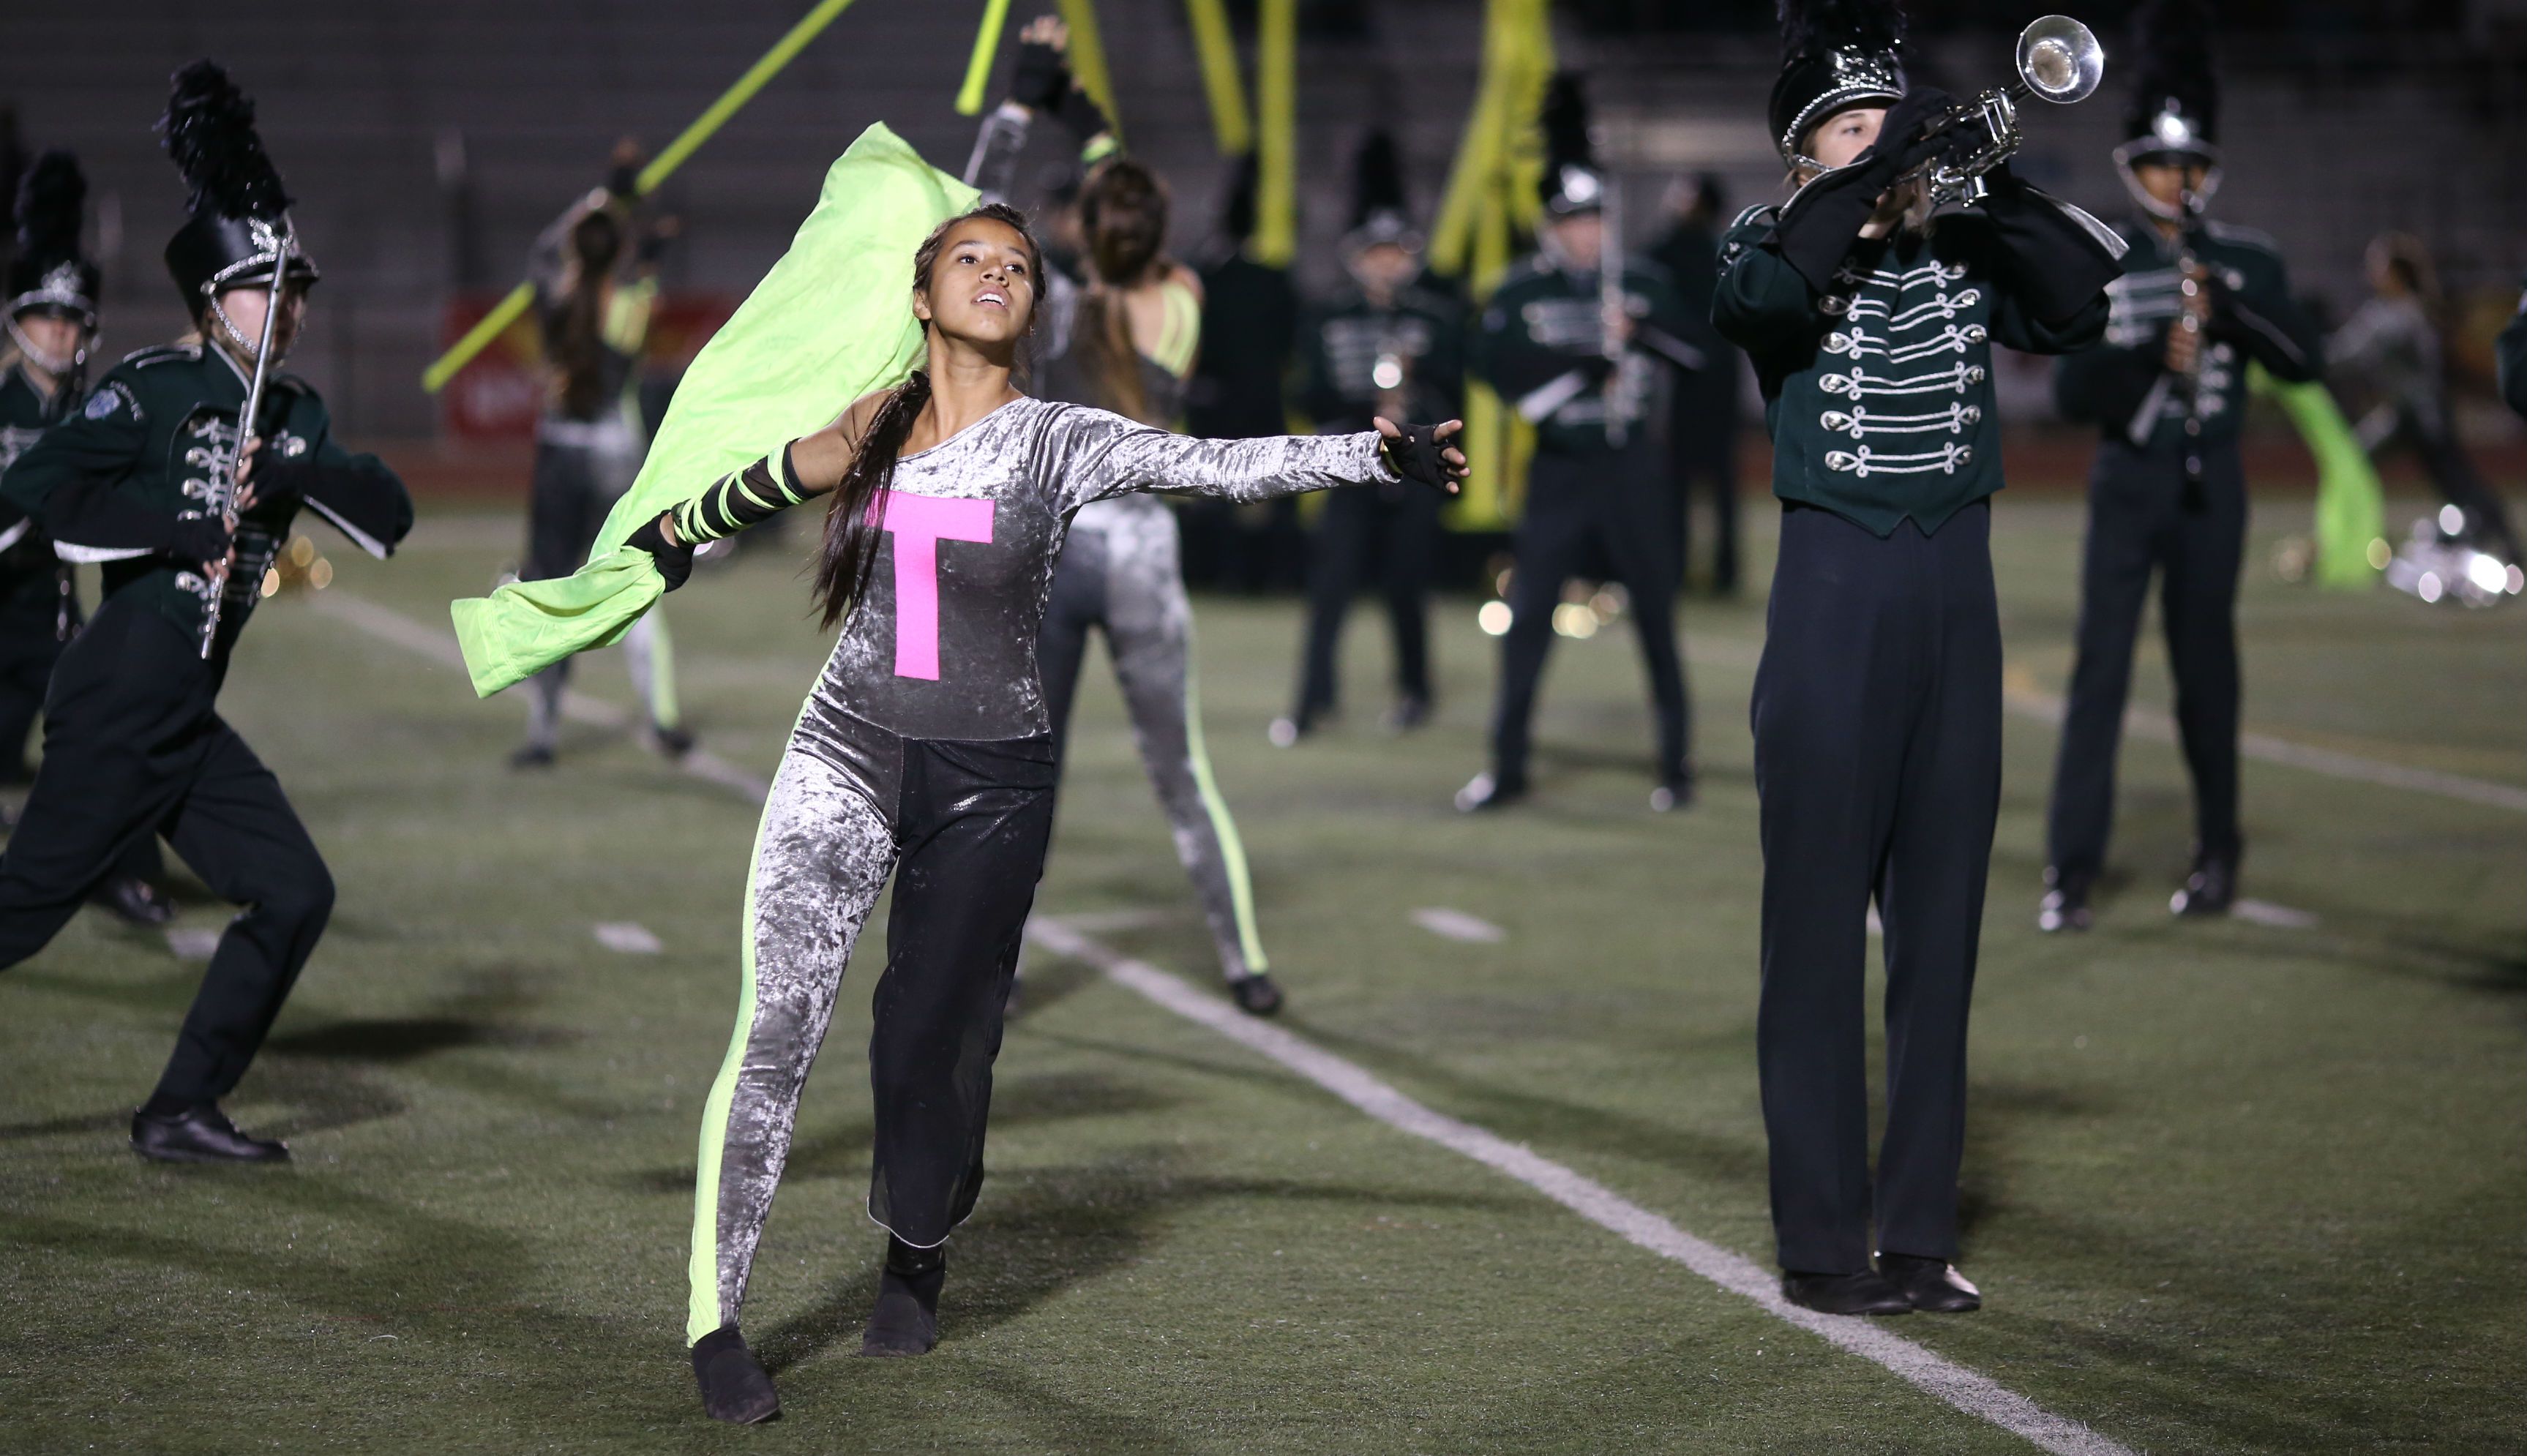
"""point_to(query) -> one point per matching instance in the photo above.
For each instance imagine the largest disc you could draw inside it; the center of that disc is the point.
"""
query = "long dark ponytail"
(856, 519)
(576, 338)
(1123, 212)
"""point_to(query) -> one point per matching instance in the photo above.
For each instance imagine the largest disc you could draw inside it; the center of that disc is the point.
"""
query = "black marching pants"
(1708, 466)
(1581, 510)
(1365, 533)
(1877, 718)
(30, 646)
(2140, 524)
(133, 745)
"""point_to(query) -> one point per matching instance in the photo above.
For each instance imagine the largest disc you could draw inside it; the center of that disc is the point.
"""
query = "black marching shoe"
(2210, 890)
(1865, 1294)
(1288, 730)
(1485, 791)
(1408, 714)
(200, 1135)
(735, 1387)
(907, 1318)
(533, 756)
(1932, 1285)
(670, 743)
(1255, 995)
(2065, 906)
(135, 901)
(1673, 794)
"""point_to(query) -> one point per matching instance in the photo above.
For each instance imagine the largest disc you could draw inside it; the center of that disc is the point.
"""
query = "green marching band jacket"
(111, 483)
(1542, 344)
(2123, 386)
(33, 582)
(1877, 388)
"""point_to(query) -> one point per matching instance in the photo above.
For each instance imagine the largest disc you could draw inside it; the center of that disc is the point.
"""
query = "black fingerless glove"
(675, 563)
(1417, 456)
(199, 539)
(1042, 76)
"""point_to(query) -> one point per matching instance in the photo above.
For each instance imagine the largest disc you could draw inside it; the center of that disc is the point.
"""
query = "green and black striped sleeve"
(740, 499)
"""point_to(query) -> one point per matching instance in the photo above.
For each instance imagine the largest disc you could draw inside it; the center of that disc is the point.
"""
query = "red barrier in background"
(498, 395)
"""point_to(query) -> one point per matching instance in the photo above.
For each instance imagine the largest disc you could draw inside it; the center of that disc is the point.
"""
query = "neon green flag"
(2351, 503)
(831, 321)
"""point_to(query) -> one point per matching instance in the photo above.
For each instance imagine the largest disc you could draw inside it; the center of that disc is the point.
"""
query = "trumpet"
(2059, 60)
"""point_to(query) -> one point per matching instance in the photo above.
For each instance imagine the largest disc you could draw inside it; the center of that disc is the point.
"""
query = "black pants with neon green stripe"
(963, 828)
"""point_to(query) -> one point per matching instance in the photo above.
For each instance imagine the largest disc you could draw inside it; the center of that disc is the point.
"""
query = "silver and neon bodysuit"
(924, 752)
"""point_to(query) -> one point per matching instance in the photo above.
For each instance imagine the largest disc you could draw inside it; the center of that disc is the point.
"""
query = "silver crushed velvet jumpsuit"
(924, 753)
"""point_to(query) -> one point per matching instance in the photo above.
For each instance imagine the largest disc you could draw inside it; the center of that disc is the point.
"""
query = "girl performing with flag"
(924, 750)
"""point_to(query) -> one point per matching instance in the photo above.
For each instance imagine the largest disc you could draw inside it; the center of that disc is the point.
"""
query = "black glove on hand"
(199, 539)
(1042, 77)
(1417, 454)
(1816, 229)
(675, 563)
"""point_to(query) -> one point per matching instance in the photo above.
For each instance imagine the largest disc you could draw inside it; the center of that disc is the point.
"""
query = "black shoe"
(1673, 794)
(200, 1135)
(1255, 995)
(135, 901)
(2065, 906)
(735, 1387)
(1484, 791)
(1932, 1285)
(1865, 1294)
(533, 756)
(907, 1318)
(1408, 714)
(671, 743)
(1288, 728)
(2210, 890)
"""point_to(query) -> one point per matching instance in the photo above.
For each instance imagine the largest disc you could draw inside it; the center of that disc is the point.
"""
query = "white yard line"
(627, 938)
(2160, 728)
(389, 624)
(2277, 917)
(1975, 1395)
(1451, 924)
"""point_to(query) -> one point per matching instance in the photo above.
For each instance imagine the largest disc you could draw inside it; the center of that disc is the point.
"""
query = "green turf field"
(2231, 1188)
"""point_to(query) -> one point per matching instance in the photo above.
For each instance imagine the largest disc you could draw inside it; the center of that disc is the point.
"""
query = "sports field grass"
(2231, 1188)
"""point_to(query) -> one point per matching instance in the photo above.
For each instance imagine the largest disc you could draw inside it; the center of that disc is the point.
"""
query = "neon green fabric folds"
(2351, 503)
(831, 321)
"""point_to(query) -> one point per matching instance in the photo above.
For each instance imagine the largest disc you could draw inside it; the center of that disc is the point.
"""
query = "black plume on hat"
(1377, 180)
(1817, 27)
(50, 203)
(208, 131)
(2175, 42)
(1565, 123)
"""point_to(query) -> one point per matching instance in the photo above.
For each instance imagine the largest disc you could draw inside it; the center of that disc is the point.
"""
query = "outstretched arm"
(1100, 455)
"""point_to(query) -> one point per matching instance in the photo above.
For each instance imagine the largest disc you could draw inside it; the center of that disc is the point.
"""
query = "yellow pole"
(1088, 59)
(1277, 172)
(1216, 46)
(783, 52)
(978, 69)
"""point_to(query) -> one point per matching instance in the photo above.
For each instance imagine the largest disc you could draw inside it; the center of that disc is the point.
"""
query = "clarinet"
(224, 481)
(2190, 286)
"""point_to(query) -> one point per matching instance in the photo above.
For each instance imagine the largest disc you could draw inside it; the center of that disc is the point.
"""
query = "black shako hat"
(1380, 212)
(238, 232)
(1835, 55)
(1572, 183)
(2175, 109)
(49, 272)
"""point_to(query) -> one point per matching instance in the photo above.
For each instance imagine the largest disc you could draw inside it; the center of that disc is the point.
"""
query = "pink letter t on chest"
(920, 522)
